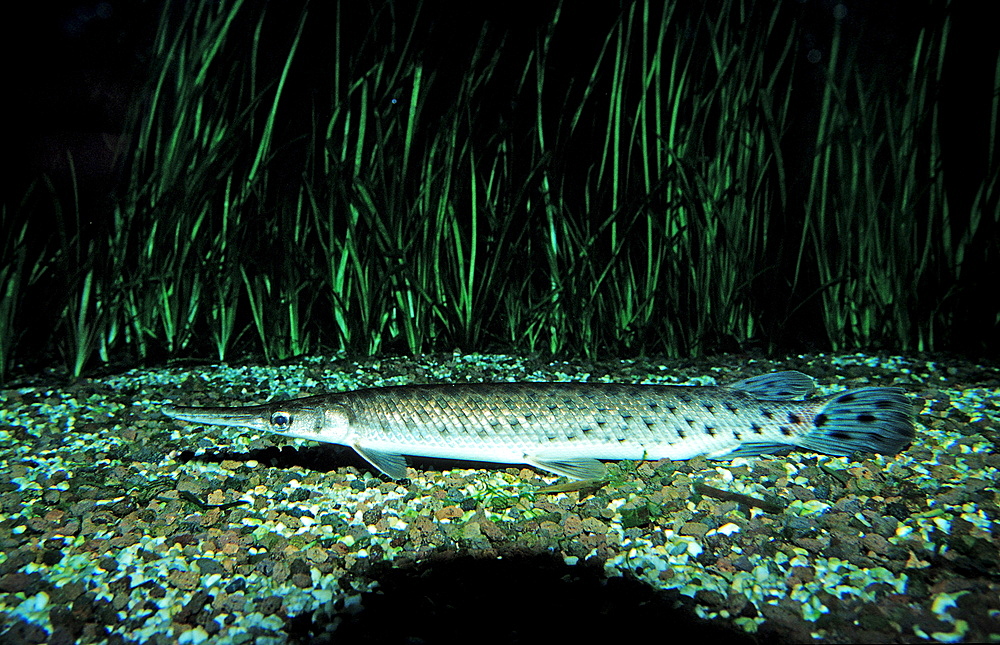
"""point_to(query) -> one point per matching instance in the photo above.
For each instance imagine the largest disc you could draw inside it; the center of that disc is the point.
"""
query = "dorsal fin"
(777, 386)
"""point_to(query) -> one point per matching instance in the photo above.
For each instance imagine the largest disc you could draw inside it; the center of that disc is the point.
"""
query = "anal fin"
(574, 468)
(751, 450)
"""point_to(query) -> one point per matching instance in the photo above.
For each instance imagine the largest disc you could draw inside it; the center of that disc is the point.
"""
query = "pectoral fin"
(586, 487)
(390, 463)
(583, 468)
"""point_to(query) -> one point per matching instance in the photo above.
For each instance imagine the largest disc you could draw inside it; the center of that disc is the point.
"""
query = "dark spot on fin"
(871, 419)
(777, 386)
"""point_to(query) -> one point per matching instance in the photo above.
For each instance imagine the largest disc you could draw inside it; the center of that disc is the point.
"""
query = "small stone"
(17, 582)
(572, 525)
(799, 575)
(67, 593)
(710, 598)
(270, 605)
(191, 608)
(693, 529)
(55, 516)
(448, 513)
(21, 631)
(316, 554)
(209, 565)
(594, 525)
(636, 516)
(372, 516)
(472, 531)
(186, 580)
(550, 528)
(875, 543)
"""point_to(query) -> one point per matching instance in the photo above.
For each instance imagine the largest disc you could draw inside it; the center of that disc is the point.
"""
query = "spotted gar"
(566, 428)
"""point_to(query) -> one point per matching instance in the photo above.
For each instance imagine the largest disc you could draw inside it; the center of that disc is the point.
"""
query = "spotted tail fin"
(870, 419)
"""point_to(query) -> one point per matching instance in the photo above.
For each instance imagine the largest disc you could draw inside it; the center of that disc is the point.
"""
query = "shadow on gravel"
(530, 598)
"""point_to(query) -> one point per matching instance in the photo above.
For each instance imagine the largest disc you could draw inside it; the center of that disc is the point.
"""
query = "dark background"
(74, 67)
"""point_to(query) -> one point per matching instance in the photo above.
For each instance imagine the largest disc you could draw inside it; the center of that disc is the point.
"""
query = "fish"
(568, 428)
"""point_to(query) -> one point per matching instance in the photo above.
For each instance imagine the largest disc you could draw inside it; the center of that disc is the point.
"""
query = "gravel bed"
(119, 525)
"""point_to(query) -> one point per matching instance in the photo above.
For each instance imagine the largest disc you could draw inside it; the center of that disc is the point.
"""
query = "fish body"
(567, 428)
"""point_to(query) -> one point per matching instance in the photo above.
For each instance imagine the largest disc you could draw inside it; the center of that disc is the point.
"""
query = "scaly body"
(565, 428)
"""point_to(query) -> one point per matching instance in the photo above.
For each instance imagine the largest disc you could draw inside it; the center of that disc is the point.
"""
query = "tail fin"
(870, 419)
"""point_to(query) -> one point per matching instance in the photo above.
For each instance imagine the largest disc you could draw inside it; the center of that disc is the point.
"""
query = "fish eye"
(281, 419)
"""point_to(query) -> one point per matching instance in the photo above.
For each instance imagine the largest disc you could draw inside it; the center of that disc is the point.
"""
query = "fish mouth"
(229, 417)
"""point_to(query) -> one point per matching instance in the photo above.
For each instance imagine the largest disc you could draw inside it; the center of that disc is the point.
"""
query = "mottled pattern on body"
(607, 420)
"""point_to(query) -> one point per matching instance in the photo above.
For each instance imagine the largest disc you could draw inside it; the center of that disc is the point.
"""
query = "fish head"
(308, 418)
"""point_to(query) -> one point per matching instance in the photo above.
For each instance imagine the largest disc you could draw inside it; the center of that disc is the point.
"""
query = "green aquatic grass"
(185, 143)
(411, 218)
(641, 207)
(195, 186)
(85, 310)
(877, 213)
(14, 256)
(221, 263)
(366, 227)
(674, 210)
